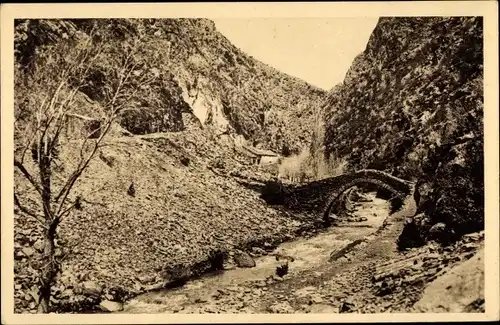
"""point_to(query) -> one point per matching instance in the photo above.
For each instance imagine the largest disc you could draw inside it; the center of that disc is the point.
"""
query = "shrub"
(273, 192)
(306, 166)
(411, 236)
(185, 161)
(396, 204)
(282, 270)
(131, 190)
(216, 259)
(293, 167)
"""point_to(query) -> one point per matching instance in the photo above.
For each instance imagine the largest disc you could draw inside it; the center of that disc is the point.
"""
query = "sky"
(317, 50)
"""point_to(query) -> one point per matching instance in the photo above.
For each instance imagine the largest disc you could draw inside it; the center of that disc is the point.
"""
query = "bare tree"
(47, 95)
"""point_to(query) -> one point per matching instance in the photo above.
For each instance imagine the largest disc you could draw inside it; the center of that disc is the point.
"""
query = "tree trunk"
(48, 272)
(49, 266)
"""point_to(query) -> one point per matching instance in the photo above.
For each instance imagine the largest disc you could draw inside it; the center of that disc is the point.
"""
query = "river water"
(307, 253)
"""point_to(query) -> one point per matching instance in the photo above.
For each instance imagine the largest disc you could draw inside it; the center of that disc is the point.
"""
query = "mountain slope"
(412, 104)
(192, 88)
(180, 216)
(197, 71)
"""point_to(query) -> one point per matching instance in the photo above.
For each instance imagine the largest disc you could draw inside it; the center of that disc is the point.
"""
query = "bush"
(396, 204)
(282, 270)
(216, 259)
(307, 167)
(273, 192)
(411, 236)
(185, 161)
(294, 167)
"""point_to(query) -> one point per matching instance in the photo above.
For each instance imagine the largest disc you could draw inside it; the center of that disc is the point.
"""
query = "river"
(307, 254)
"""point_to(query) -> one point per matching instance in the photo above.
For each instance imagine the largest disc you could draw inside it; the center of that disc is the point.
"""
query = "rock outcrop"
(200, 79)
(412, 104)
(442, 279)
(459, 290)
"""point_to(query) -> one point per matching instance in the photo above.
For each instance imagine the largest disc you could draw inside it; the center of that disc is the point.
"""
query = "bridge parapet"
(325, 196)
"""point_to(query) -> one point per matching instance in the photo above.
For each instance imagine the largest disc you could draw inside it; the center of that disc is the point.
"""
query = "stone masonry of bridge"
(325, 197)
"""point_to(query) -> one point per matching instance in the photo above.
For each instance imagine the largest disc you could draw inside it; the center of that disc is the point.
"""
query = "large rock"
(92, 288)
(28, 251)
(243, 259)
(111, 306)
(458, 290)
(437, 230)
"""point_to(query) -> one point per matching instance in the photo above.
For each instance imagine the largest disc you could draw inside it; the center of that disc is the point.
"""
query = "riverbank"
(370, 277)
(180, 216)
(301, 255)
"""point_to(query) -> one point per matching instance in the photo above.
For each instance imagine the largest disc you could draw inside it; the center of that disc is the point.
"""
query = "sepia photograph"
(234, 164)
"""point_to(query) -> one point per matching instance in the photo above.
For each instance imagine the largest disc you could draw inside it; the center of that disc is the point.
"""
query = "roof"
(261, 152)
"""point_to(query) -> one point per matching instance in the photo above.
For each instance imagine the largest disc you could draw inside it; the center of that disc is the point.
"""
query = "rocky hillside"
(412, 104)
(183, 211)
(157, 202)
(197, 75)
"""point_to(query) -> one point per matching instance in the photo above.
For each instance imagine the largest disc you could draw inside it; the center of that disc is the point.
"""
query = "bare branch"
(36, 216)
(61, 121)
(67, 210)
(27, 175)
(28, 145)
(94, 203)
(64, 192)
(55, 96)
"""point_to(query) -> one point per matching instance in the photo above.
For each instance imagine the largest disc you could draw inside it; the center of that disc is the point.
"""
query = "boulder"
(91, 288)
(243, 259)
(28, 251)
(111, 306)
(437, 231)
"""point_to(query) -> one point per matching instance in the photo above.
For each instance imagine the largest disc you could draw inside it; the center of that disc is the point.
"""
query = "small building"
(261, 156)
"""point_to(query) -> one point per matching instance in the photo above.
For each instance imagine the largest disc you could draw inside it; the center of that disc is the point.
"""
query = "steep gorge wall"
(412, 104)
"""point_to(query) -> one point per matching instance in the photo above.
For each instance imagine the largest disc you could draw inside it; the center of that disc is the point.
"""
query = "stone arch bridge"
(326, 197)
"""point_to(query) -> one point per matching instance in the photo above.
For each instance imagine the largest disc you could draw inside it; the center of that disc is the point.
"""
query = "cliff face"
(200, 77)
(412, 104)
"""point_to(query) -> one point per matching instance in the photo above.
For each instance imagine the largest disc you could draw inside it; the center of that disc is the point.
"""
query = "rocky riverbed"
(239, 289)
(369, 277)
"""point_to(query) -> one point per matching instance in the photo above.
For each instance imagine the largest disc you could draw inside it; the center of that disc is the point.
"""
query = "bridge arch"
(380, 179)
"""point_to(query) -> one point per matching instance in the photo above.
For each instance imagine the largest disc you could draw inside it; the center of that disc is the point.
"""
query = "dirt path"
(313, 283)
